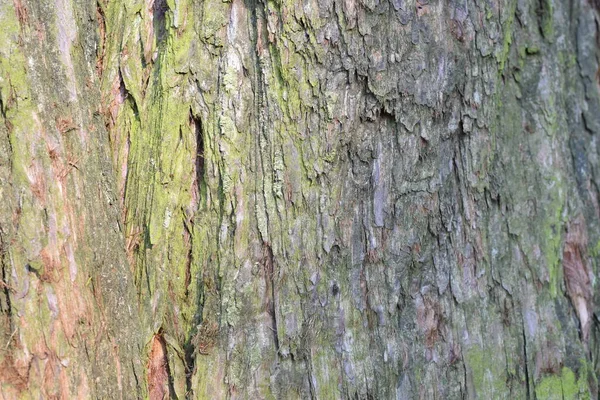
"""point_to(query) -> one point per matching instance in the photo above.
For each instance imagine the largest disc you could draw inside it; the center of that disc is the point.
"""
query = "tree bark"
(299, 199)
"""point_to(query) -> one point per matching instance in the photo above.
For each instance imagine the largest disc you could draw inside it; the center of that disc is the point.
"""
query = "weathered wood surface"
(299, 199)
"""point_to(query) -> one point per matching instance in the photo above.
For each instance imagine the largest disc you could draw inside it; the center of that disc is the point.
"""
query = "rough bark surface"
(299, 199)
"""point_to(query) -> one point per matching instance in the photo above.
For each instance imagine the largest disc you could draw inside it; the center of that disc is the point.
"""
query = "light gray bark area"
(318, 199)
(416, 200)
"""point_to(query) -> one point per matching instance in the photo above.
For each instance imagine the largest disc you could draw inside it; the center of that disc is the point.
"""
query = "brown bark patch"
(9, 374)
(65, 124)
(118, 94)
(206, 338)
(576, 272)
(102, 47)
(51, 387)
(132, 244)
(422, 8)
(22, 13)
(37, 181)
(51, 266)
(429, 319)
(158, 369)
(457, 30)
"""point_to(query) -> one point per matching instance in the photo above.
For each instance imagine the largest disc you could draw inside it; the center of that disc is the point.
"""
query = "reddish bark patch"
(52, 267)
(10, 375)
(576, 272)
(65, 124)
(158, 369)
(22, 14)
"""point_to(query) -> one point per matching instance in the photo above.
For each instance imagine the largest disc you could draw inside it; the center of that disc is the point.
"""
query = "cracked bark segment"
(68, 303)
(411, 155)
(577, 274)
(318, 199)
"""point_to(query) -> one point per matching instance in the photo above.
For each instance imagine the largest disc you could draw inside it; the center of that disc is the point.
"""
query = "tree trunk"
(299, 199)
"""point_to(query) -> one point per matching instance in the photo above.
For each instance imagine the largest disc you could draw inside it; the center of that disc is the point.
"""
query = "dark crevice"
(188, 261)
(159, 16)
(5, 302)
(199, 183)
(526, 364)
(188, 347)
(311, 386)
(466, 377)
(190, 363)
(196, 124)
(122, 88)
(172, 392)
(126, 182)
(145, 59)
(135, 377)
(268, 265)
(131, 101)
(159, 12)
(128, 97)
(101, 48)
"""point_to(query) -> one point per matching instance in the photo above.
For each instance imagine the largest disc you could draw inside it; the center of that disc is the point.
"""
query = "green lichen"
(214, 18)
(595, 250)
(547, 19)
(562, 387)
(230, 79)
(487, 372)
(552, 233)
(507, 37)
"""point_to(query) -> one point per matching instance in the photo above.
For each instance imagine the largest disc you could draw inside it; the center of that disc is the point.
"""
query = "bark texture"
(300, 199)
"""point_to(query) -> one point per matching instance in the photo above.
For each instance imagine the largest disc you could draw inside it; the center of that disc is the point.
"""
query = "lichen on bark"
(285, 199)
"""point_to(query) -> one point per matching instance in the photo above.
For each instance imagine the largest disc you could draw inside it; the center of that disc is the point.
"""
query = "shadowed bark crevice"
(159, 10)
(270, 291)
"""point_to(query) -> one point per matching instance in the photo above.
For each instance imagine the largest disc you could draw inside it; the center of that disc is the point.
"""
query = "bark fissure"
(526, 363)
(269, 276)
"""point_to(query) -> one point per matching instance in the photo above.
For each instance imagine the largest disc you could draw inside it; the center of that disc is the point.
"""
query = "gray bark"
(286, 199)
